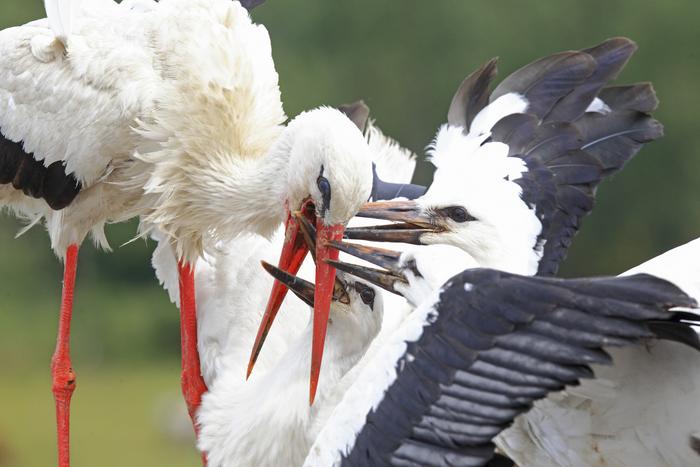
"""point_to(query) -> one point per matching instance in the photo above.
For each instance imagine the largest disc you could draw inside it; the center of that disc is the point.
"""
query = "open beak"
(318, 240)
(303, 289)
(294, 250)
(411, 224)
(387, 278)
(325, 284)
(300, 238)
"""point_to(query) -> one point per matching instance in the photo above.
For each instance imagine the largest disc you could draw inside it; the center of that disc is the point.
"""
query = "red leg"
(61, 369)
(193, 386)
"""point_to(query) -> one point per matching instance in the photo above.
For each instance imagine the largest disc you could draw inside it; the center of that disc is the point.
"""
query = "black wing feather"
(441, 410)
(29, 175)
(250, 4)
(568, 150)
(611, 57)
(357, 112)
(544, 82)
(472, 96)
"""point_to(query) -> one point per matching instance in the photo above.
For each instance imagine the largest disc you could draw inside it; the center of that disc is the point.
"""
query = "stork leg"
(193, 386)
(63, 376)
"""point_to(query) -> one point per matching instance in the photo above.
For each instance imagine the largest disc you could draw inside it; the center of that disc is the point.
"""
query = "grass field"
(121, 417)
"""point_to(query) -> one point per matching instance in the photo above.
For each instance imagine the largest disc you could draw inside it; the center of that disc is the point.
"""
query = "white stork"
(231, 289)
(518, 168)
(170, 111)
(476, 353)
(511, 193)
(228, 278)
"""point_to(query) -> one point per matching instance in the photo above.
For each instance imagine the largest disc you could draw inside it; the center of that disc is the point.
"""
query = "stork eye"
(366, 293)
(458, 214)
(324, 186)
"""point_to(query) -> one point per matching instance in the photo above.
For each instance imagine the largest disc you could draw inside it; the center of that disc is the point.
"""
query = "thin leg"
(193, 386)
(61, 369)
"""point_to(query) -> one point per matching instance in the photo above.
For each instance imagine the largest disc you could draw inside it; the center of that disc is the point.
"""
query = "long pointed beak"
(387, 278)
(301, 288)
(325, 282)
(412, 223)
(293, 253)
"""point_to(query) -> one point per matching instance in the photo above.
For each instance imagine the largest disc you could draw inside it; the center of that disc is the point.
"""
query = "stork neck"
(252, 196)
(514, 260)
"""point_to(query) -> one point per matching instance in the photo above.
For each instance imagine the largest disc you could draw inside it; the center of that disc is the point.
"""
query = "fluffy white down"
(247, 423)
(641, 412)
(121, 63)
(394, 163)
(480, 177)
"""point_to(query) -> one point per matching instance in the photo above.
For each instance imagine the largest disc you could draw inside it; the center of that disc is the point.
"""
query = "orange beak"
(293, 253)
(325, 282)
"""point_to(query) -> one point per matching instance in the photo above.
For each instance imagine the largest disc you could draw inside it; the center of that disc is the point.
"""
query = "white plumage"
(169, 111)
(231, 293)
(613, 420)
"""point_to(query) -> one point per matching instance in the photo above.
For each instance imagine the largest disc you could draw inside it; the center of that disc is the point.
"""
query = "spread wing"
(458, 372)
(571, 131)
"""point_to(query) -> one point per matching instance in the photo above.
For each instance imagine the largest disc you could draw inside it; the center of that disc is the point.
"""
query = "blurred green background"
(405, 58)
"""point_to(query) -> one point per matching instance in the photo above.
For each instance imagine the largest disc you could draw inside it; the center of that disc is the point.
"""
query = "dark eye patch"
(457, 214)
(366, 294)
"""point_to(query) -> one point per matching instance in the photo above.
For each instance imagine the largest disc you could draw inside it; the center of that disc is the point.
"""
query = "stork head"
(329, 163)
(473, 204)
(329, 177)
(356, 310)
(414, 273)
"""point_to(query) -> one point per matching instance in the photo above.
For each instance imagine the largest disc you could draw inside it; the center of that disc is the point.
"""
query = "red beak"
(325, 281)
(294, 251)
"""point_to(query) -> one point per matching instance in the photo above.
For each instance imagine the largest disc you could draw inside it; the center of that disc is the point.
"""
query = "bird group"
(457, 346)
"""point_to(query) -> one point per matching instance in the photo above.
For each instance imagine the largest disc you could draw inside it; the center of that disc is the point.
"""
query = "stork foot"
(64, 382)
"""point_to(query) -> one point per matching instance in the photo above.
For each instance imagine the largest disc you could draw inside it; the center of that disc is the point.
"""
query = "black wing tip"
(251, 4)
(613, 43)
(472, 95)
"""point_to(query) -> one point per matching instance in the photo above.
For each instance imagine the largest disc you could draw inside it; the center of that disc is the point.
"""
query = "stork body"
(248, 422)
(475, 354)
(110, 111)
(527, 190)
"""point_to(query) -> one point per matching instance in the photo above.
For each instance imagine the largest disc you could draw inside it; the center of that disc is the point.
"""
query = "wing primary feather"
(441, 409)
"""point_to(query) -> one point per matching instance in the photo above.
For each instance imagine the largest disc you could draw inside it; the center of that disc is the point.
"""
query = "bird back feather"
(61, 15)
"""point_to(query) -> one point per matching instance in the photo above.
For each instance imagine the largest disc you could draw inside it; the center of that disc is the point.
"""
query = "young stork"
(518, 168)
(476, 353)
(110, 111)
(538, 215)
(236, 412)
(247, 423)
